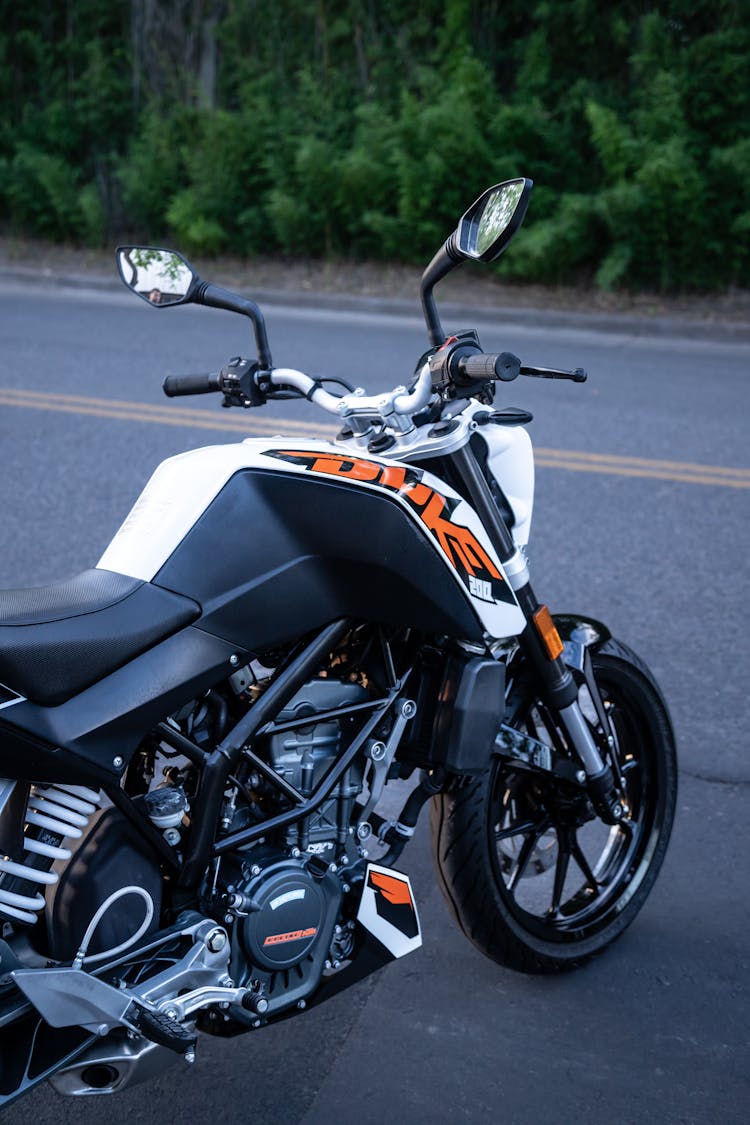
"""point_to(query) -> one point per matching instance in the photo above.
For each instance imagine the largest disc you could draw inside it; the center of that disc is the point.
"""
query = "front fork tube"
(559, 690)
(558, 687)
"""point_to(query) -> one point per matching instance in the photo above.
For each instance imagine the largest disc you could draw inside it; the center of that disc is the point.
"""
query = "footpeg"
(70, 997)
(161, 1028)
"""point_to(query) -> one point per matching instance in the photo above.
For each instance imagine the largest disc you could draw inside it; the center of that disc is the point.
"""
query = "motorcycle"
(196, 735)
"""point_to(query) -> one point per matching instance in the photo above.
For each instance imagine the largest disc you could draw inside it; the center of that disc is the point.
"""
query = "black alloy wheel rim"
(587, 872)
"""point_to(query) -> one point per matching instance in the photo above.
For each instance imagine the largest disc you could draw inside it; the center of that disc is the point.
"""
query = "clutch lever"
(577, 376)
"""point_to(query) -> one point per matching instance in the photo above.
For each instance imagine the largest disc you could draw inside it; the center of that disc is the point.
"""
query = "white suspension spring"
(60, 812)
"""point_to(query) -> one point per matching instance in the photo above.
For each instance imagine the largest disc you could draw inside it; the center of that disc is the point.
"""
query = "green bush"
(152, 172)
(344, 128)
(41, 191)
(94, 225)
(302, 210)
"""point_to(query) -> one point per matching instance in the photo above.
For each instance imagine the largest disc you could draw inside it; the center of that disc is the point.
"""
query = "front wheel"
(534, 879)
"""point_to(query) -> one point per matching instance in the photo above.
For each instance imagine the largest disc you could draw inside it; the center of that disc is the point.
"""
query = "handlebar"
(243, 384)
(397, 401)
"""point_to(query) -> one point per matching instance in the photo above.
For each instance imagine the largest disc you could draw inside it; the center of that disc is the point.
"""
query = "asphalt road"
(641, 520)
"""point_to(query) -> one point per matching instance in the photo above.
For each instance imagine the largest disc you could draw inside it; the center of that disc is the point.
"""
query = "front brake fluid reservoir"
(510, 458)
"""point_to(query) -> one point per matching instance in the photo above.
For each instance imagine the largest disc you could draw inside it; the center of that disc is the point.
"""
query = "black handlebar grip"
(482, 367)
(175, 385)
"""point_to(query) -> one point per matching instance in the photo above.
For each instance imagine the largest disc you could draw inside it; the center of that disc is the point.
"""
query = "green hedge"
(364, 128)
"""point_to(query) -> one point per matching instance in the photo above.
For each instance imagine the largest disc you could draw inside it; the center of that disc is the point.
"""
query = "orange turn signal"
(545, 627)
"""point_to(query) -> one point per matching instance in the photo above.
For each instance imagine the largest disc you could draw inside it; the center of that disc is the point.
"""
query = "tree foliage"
(365, 127)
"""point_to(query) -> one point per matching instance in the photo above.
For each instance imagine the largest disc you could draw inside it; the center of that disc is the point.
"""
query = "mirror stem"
(441, 264)
(218, 298)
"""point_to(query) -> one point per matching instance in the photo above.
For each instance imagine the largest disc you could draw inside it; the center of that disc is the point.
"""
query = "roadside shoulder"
(462, 305)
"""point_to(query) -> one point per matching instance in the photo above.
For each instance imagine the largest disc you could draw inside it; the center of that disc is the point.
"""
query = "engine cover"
(288, 915)
(291, 915)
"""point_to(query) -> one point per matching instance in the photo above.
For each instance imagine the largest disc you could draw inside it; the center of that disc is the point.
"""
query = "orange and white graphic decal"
(388, 911)
(481, 576)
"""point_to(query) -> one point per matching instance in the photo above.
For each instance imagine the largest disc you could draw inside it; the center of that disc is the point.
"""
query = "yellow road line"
(168, 415)
(250, 424)
(643, 462)
(651, 474)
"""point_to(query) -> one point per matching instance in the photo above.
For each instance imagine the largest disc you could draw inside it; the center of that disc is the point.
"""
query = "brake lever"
(577, 376)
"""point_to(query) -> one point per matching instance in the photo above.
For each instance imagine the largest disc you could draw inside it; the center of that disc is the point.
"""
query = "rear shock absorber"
(54, 813)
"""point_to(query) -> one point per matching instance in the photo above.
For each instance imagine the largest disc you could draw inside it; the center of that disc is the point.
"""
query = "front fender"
(577, 634)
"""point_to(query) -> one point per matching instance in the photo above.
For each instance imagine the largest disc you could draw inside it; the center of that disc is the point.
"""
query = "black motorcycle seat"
(57, 640)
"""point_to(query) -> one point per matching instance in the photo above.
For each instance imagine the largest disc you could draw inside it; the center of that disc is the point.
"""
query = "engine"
(303, 756)
(285, 897)
(284, 900)
(283, 904)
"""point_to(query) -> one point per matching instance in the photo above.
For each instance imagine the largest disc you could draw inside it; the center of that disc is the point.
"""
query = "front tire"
(532, 877)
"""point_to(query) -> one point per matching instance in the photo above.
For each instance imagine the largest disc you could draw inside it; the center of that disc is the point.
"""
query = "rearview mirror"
(160, 277)
(487, 227)
(482, 233)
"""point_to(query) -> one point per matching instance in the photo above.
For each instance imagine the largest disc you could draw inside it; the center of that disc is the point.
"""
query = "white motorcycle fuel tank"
(193, 505)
